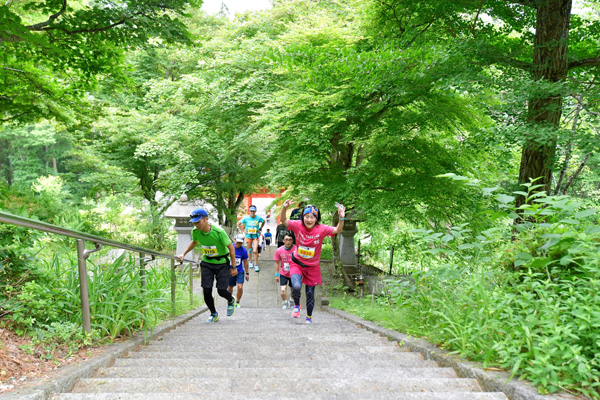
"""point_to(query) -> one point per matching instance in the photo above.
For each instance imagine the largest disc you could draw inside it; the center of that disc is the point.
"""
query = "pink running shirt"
(285, 257)
(309, 242)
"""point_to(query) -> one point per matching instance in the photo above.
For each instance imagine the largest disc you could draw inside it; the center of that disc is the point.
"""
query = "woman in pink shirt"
(305, 263)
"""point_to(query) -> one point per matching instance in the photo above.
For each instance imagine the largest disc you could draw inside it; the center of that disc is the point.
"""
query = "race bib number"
(306, 252)
(251, 230)
(238, 261)
(286, 267)
(210, 250)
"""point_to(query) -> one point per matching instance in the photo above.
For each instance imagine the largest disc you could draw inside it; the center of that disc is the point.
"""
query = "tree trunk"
(550, 64)
(576, 173)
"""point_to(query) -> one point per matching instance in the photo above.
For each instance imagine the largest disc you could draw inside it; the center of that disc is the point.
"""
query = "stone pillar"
(184, 237)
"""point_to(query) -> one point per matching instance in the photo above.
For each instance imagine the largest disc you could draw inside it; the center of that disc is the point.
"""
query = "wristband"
(276, 274)
(247, 272)
(343, 219)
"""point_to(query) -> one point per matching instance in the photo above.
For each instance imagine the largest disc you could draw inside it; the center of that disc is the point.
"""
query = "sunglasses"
(196, 215)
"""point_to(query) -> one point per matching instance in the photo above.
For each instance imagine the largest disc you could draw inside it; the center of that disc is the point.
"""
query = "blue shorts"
(239, 278)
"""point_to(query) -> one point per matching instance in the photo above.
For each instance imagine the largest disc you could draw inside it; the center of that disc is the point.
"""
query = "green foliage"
(43, 299)
(529, 305)
(59, 339)
(53, 53)
(327, 250)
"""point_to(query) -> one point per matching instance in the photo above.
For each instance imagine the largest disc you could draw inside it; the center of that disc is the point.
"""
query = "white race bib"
(238, 261)
(306, 252)
(210, 250)
(286, 267)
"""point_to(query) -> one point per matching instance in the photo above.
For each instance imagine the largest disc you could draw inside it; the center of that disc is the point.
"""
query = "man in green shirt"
(217, 253)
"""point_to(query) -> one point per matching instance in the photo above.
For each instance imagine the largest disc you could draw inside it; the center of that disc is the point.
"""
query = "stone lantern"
(180, 211)
(347, 251)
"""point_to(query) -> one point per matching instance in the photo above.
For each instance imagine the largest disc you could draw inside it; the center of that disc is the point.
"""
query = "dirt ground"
(19, 368)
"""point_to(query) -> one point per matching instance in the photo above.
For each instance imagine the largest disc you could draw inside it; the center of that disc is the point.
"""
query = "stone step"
(283, 396)
(261, 352)
(270, 385)
(299, 330)
(257, 354)
(278, 340)
(282, 332)
(272, 363)
(287, 372)
(243, 347)
(274, 321)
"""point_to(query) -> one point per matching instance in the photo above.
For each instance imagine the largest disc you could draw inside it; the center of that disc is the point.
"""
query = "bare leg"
(240, 291)
(255, 250)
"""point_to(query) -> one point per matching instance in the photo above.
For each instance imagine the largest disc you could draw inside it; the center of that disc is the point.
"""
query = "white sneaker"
(251, 266)
(291, 303)
(284, 305)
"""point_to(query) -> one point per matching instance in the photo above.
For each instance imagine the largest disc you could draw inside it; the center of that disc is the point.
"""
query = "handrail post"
(173, 283)
(143, 270)
(83, 286)
(191, 283)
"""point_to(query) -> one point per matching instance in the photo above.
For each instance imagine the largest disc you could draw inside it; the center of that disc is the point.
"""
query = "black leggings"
(210, 302)
(297, 291)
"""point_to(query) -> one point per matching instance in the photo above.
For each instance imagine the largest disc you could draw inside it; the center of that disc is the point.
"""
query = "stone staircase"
(261, 352)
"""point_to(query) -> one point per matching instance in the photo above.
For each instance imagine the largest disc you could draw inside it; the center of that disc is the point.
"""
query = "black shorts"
(268, 242)
(284, 280)
(209, 272)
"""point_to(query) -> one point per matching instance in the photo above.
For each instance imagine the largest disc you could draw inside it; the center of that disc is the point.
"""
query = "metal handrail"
(83, 254)
(8, 218)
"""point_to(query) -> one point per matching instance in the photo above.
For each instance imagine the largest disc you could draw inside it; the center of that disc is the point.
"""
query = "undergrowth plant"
(45, 302)
(523, 297)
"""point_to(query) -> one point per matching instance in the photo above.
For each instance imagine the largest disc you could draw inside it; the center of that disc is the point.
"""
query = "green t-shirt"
(212, 244)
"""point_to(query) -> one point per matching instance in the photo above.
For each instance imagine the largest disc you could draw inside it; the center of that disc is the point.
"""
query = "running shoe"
(230, 307)
(213, 318)
(251, 265)
(309, 320)
(296, 312)
(256, 269)
(291, 303)
(237, 305)
(285, 305)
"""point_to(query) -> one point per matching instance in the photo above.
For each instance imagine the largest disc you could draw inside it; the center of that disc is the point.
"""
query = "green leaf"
(566, 260)
(569, 221)
(524, 256)
(585, 213)
(505, 199)
(447, 238)
(539, 263)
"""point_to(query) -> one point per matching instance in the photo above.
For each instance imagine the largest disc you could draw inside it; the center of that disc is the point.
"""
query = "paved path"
(261, 352)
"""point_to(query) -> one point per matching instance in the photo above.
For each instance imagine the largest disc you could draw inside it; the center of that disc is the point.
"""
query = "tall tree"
(533, 36)
(54, 50)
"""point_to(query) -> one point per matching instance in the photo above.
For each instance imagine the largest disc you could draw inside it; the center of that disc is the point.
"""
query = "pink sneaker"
(296, 312)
